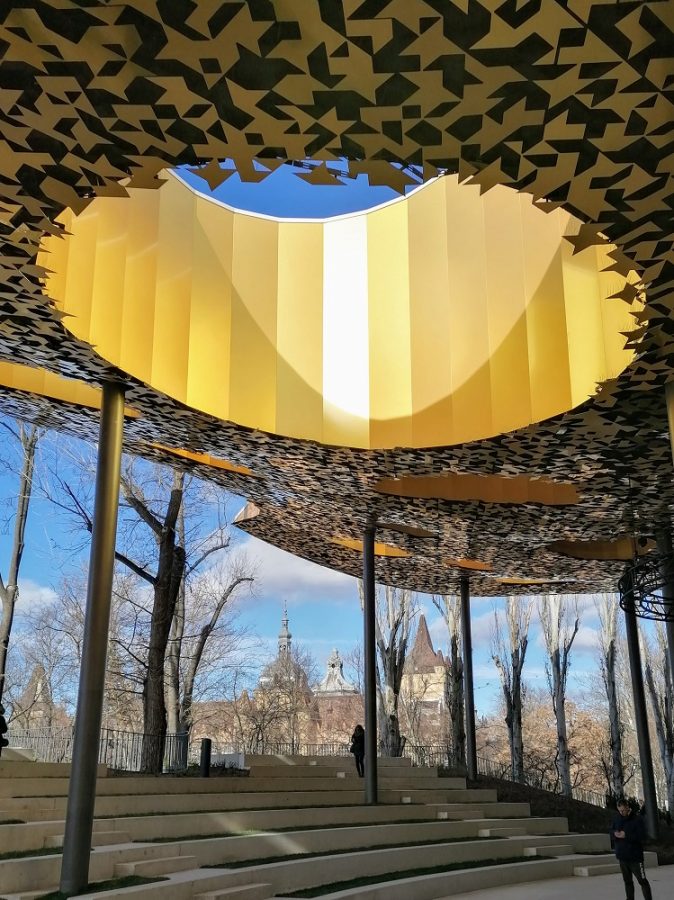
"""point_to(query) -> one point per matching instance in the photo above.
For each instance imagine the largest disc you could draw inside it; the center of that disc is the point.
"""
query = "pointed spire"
(285, 637)
(423, 656)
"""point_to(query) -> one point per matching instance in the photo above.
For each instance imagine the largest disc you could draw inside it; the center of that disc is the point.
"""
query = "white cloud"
(586, 640)
(295, 579)
(33, 596)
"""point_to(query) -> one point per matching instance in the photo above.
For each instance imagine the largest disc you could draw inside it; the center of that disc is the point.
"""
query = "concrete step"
(30, 895)
(459, 814)
(608, 865)
(146, 868)
(596, 869)
(22, 768)
(242, 892)
(98, 839)
(549, 850)
(501, 832)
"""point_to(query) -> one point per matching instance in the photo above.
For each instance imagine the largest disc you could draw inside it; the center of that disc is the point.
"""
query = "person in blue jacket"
(628, 833)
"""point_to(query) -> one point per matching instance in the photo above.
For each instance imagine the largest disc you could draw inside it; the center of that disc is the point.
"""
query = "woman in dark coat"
(358, 748)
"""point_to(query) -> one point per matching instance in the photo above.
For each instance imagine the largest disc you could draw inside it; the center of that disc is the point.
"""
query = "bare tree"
(607, 609)
(353, 663)
(661, 691)
(508, 655)
(449, 607)
(166, 535)
(395, 610)
(560, 623)
(27, 437)
(199, 619)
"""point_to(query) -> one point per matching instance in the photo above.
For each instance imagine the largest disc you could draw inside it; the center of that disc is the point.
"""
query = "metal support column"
(82, 793)
(669, 400)
(664, 538)
(641, 721)
(469, 699)
(370, 666)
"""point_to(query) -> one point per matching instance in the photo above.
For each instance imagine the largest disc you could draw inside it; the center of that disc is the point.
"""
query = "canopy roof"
(446, 364)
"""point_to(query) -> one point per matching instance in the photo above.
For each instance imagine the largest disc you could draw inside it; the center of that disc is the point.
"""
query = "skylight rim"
(301, 220)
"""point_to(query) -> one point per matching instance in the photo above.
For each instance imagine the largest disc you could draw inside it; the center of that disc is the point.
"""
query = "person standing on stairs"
(358, 748)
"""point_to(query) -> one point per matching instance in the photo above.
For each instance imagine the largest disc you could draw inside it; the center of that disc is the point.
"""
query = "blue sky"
(286, 193)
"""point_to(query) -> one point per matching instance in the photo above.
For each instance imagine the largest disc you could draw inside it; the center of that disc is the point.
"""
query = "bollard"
(205, 761)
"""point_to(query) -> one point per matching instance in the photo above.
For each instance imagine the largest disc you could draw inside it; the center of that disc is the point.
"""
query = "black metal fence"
(123, 751)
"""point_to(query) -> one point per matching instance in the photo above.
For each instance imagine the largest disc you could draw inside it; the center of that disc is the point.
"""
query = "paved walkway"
(603, 887)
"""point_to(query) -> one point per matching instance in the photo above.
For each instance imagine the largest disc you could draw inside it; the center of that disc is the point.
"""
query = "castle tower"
(334, 683)
(284, 637)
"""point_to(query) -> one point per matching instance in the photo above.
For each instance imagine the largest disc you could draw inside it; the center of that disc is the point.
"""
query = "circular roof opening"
(298, 190)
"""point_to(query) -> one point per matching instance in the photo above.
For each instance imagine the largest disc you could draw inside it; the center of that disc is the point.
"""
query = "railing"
(536, 780)
(47, 744)
(427, 755)
(120, 750)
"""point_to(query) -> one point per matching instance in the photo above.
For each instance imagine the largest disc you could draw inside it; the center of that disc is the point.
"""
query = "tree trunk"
(455, 707)
(170, 573)
(662, 714)
(617, 774)
(9, 592)
(559, 708)
(173, 654)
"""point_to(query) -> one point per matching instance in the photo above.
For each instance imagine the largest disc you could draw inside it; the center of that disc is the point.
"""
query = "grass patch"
(292, 857)
(111, 884)
(22, 854)
(406, 873)
(12, 822)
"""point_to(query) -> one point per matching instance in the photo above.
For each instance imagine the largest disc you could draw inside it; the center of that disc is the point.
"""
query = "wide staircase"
(290, 825)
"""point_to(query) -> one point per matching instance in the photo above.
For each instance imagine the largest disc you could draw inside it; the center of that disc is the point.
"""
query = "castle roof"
(423, 657)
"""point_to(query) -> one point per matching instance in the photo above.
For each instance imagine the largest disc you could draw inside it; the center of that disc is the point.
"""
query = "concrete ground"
(603, 887)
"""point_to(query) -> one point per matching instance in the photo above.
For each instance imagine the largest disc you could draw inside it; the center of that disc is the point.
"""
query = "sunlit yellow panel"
(583, 322)
(443, 317)
(47, 384)
(140, 272)
(173, 293)
(549, 380)
(78, 255)
(507, 305)
(346, 376)
(111, 249)
(469, 336)
(430, 320)
(299, 377)
(463, 487)
(204, 459)
(211, 310)
(254, 335)
(380, 548)
(389, 327)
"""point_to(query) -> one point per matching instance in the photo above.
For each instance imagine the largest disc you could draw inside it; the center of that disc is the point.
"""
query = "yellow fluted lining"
(441, 318)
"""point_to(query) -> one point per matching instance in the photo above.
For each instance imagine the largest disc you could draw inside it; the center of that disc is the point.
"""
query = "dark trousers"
(636, 869)
(360, 764)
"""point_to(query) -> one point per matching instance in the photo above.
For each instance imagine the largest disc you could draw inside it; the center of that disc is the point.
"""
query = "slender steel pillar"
(469, 697)
(664, 538)
(82, 793)
(641, 720)
(370, 666)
